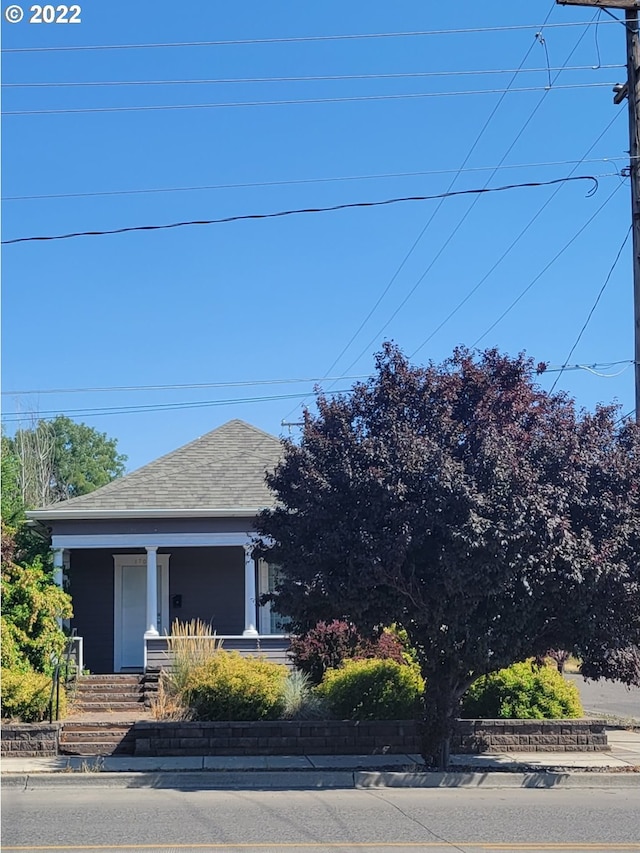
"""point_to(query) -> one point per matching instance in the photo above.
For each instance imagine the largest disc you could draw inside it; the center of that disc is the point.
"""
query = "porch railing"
(271, 646)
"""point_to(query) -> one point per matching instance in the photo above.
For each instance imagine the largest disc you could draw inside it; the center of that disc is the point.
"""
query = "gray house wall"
(106, 526)
(210, 582)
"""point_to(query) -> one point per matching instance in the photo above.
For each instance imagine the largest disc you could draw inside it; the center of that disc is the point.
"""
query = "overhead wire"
(537, 278)
(512, 245)
(469, 210)
(303, 181)
(298, 211)
(434, 213)
(300, 39)
(306, 101)
(303, 79)
(594, 306)
(177, 386)
(17, 417)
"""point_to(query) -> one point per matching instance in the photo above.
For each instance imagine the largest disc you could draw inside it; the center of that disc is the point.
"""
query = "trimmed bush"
(231, 687)
(373, 689)
(523, 691)
(25, 695)
(329, 644)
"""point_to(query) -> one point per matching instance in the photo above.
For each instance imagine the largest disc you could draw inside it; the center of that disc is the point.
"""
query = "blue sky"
(280, 299)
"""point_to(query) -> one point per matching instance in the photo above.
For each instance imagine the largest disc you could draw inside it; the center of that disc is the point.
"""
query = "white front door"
(130, 615)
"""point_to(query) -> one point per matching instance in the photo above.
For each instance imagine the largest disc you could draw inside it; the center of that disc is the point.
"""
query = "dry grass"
(190, 645)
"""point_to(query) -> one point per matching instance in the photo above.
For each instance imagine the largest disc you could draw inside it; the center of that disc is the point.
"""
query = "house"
(172, 540)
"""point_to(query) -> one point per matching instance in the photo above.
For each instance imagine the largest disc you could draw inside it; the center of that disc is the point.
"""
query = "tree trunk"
(441, 702)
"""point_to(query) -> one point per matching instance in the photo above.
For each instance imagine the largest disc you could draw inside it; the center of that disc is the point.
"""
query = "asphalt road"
(608, 698)
(76, 819)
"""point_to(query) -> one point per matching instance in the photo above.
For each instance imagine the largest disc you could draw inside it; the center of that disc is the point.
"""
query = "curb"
(319, 780)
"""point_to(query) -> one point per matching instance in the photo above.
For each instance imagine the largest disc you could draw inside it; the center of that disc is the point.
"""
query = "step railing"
(66, 672)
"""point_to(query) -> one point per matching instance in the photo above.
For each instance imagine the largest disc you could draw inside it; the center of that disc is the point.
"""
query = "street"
(78, 818)
(608, 698)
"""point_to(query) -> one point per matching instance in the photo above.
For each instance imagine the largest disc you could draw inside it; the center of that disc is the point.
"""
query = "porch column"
(249, 593)
(58, 572)
(152, 591)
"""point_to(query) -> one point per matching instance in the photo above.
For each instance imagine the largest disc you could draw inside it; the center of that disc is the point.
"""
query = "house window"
(271, 622)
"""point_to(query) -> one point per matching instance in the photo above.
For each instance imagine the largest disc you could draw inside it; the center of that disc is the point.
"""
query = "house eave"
(89, 514)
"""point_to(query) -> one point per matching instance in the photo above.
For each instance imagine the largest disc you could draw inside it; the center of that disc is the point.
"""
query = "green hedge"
(373, 690)
(231, 687)
(26, 695)
(523, 691)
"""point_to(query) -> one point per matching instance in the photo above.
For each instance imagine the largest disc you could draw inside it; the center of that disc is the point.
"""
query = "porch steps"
(97, 738)
(105, 693)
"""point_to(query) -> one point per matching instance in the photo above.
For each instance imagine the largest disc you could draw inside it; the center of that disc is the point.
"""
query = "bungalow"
(172, 540)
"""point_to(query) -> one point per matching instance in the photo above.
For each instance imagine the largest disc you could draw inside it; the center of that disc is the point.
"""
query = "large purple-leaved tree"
(489, 518)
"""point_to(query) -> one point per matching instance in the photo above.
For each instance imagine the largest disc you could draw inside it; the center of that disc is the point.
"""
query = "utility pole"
(632, 92)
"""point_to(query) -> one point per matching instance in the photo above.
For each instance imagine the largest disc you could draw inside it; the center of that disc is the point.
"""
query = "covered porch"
(128, 589)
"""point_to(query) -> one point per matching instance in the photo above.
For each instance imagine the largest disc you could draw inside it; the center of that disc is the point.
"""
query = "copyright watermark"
(13, 14)
(44, 14)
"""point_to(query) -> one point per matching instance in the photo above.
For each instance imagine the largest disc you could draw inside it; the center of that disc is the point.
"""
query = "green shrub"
(26, 695)
(231, 687)
(523, 691)
(373, 690)
(300, 701)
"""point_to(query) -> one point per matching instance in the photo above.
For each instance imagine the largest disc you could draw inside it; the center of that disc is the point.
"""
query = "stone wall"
(363, 738)
(28, 740)
(477, 736)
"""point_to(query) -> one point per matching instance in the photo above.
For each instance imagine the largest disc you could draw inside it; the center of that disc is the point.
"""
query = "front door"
(130, 617)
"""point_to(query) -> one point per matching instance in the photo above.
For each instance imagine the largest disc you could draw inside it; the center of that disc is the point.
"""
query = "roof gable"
(222, 472)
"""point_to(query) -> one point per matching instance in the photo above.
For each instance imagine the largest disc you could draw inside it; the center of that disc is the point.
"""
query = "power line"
(283, 213)
(547, 267)
(469, 210)
(594, 306)
(434, 213)
(511, 246)
(302, 101)
(178, 386)
(183, 386)
(17, 417)
(303, 181)
(304, 79)
(299, 39)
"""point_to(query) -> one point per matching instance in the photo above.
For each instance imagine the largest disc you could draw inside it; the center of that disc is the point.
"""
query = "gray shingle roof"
(222, 470)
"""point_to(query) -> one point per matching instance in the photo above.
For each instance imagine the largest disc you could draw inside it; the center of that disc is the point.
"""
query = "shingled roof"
(220, 473)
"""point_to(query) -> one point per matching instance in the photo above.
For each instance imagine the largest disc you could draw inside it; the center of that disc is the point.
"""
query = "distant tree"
(12, 505)
(83, 459)
(60, 459)
(485, 516)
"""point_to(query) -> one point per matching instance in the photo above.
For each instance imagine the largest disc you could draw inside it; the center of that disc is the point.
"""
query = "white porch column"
(249, 593)
(58, 566)
(58, 573)
(152, 591)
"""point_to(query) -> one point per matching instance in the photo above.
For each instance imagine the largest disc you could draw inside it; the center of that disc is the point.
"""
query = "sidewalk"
(620, 767)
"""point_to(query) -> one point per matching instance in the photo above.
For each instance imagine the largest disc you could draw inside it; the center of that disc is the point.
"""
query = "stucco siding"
(107, 526)
(91, 578)
(210, 582)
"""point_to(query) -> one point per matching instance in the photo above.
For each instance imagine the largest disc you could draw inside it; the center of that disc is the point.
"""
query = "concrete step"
(111, 677)
(108, 687)
(114, 736)
(98, 748)
(110, 705)
(102, 696)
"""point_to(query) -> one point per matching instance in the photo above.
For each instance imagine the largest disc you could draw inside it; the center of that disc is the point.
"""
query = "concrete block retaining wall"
(29, 740)
(363, 738)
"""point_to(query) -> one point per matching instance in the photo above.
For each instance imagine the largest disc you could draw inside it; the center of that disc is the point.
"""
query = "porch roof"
(221, 473)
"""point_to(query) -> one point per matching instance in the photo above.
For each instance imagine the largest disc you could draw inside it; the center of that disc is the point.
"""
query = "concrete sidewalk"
(616, 768)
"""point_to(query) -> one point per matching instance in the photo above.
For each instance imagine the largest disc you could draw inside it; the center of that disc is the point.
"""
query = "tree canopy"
(490, 519)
